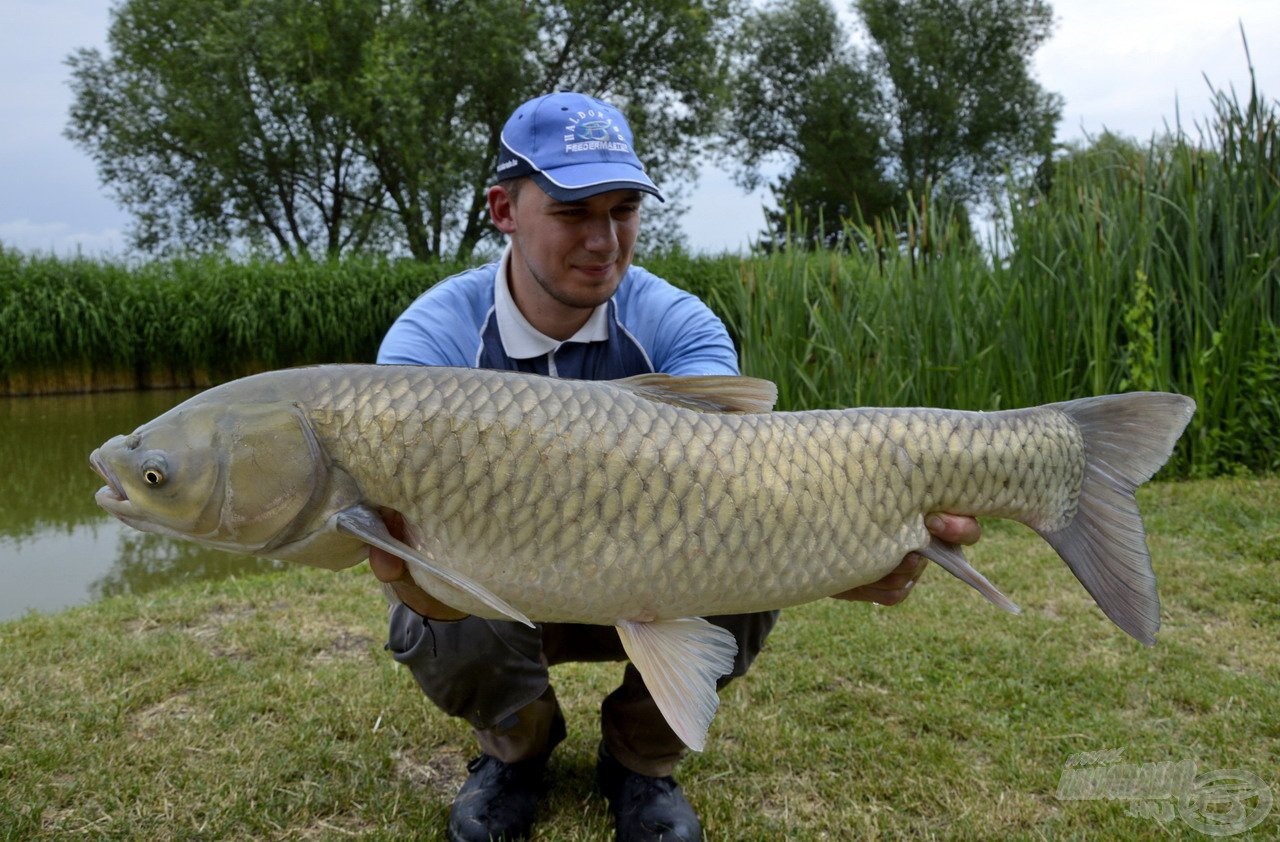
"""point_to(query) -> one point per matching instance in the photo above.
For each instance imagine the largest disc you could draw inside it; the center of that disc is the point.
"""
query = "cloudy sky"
(1120, 64)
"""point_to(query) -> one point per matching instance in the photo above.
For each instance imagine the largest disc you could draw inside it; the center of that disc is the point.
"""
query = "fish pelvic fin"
(367, 525)
(950, 558)
(1127, 438)
(680, 661)
(705, 393)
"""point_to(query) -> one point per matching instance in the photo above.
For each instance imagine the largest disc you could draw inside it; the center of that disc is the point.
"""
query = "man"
(565, 301)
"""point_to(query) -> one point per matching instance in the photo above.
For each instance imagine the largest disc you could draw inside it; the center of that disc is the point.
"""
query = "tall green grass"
(68, 325)
(1137, 268)
(1169, 258)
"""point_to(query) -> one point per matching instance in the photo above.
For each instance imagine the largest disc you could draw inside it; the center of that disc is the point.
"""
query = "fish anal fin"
(951, 558)
(368, 526)
(680, 661)
(706, 393)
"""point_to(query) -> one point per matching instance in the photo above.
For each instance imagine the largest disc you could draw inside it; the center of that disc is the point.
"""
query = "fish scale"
(693, 512)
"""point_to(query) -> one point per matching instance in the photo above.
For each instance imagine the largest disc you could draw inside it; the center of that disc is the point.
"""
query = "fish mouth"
(112, 492)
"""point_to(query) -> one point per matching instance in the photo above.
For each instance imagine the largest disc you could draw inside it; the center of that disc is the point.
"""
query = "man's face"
(575, 252)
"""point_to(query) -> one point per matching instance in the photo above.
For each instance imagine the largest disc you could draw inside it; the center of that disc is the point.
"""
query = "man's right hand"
(392, 570)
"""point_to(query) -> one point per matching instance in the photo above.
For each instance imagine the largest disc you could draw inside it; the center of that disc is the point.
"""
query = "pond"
(57, 548)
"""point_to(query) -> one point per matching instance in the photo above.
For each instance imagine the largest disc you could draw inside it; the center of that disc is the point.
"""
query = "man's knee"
(476, 669)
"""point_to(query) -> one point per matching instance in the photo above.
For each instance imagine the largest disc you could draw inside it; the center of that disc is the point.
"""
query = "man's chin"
(590, 289)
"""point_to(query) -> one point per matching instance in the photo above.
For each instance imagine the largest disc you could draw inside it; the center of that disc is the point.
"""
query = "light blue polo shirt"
(647, 326)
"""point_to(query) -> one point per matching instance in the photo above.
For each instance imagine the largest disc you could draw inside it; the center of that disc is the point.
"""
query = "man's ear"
(501, 209)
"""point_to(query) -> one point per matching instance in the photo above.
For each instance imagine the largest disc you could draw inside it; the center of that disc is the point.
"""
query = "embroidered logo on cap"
(589, 130)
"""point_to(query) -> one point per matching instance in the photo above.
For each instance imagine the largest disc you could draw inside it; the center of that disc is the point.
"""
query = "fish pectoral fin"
(680, 661)
(950, 558)
(705, 393)
(369, 527)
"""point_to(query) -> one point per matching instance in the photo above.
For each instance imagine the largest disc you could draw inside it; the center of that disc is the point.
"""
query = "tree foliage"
(801, 93)
(322, 126)
(964, 105)
(938, 106)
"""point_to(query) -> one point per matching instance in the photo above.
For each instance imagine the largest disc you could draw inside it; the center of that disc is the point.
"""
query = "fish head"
(238, 477)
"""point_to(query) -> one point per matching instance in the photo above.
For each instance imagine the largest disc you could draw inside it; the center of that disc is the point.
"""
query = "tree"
(215, 121)
(802, 94)
(937, 109)
(964, 107)
(320, 126)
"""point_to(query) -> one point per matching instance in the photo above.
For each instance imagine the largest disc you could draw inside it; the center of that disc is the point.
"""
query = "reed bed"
(1138, 269)
(80, 325)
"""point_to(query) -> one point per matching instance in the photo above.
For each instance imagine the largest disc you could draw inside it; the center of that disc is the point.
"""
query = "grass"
(263, 707)
(84, 325)
(1127, 268)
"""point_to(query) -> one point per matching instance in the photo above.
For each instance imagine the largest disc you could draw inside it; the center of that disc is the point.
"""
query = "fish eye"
(153, 474)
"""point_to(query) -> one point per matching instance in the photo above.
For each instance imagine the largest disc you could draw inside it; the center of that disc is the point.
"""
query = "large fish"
(646, 503)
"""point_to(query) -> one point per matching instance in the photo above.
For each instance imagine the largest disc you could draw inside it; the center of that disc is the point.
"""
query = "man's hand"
(392, 570)
(897, 586)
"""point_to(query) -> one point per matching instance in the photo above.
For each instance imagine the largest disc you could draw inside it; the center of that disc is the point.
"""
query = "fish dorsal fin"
(950, 558)
(705, 393)
(368, 527)
(680, 661)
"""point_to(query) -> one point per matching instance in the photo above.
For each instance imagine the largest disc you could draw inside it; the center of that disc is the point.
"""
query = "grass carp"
(646, 503)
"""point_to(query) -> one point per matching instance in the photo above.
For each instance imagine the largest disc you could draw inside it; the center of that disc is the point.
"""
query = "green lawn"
(264, 707)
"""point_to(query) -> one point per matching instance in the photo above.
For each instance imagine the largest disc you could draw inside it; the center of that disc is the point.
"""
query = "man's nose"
(602, 235)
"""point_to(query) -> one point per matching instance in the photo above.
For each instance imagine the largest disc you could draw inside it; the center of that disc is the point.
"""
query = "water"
(57, 548)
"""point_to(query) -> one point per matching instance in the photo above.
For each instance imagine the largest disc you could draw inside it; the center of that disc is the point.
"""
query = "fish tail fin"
(1127, 438)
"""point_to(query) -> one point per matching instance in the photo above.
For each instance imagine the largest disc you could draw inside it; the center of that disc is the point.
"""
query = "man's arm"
(391, 570)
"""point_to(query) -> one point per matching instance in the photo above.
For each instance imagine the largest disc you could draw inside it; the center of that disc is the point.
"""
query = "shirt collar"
(521, 340)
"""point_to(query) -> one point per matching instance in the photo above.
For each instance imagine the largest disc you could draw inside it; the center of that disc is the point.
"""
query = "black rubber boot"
(645, 809)
(497, 801)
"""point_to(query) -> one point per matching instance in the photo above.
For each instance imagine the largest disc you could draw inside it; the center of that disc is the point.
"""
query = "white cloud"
(61, 239)
(722, 217)
(1127, 66)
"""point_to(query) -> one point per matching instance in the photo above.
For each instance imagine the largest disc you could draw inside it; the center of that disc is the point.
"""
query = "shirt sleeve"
(685, 336)
(432, 331)
(699, 344)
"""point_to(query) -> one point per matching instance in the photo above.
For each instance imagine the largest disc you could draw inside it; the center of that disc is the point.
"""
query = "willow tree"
(315, 127)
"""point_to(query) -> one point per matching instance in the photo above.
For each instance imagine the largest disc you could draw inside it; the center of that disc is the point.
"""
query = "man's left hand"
(895, 587)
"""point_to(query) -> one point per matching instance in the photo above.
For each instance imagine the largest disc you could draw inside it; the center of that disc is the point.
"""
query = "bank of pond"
(264, 707)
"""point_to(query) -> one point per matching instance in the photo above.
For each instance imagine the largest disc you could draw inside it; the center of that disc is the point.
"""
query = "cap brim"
(572, 184)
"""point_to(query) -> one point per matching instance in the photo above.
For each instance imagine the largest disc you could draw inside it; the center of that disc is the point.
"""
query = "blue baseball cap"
(573, 146)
